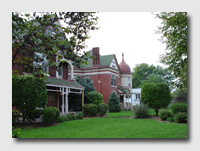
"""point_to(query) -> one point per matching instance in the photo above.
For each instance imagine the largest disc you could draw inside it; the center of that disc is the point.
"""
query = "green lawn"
(110, 128)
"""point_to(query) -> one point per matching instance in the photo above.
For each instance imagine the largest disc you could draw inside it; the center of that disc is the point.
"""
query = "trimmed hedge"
(49, 115)
(179, 107)
(102, 108)
(164, 114)
(79, 115)
(95, 97)
(92, 110)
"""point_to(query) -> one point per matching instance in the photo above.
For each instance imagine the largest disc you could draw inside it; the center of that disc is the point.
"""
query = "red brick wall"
(52, 72)
(104, 87)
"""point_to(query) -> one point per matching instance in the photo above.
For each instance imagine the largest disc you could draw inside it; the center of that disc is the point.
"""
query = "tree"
(156, 95)
(30, 34)
(144, 72)
(113, 103)
(180, 95)
(24, 99)
(174, 34)
(152, 79)
(75, 100)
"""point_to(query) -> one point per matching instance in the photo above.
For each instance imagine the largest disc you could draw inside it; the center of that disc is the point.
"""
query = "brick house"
(60, 83)
(108, 76)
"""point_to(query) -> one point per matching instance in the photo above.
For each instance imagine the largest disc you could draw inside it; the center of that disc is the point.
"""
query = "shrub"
(60, 119)
(32, 115)
(181, 117)
(24, 90)
(113, 103)
(179, 107)
(57, 111)
(92, 110)
(102, 108)
(16, 133)
(170, 119)
(156, 95)
(141, 111)
(15, 116)
(49, 115)
(95, 97)
(86, 109)
(79, 115)
(70, 116)
(164, 114)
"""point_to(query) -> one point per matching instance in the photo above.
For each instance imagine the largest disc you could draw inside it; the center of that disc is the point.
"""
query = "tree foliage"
(144, 73)
(156, 95)
(71, 29)
(113, 103)
(24, 90)
(174, 34)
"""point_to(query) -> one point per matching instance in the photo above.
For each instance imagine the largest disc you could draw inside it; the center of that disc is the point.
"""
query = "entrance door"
(52, 101)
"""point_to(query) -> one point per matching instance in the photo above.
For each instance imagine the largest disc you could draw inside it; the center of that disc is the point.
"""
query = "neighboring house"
(136, 96)
(108, 76)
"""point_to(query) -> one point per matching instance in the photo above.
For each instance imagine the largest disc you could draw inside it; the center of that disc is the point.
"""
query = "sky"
(132, 33)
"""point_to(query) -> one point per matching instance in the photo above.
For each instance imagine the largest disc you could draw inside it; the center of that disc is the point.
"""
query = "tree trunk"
(157, 112)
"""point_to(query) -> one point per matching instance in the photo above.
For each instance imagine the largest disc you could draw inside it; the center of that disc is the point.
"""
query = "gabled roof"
(104, 60)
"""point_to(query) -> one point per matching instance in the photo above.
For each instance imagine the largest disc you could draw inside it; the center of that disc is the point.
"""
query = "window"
(40, 61)
(129, 81)
(137, 96)
(114, 80)
(111, 79)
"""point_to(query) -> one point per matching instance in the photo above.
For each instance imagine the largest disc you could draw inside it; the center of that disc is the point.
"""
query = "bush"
(141, 111)
(170, 119)
(57, 111)
(49, 115)
(16, 133)
(86, 109)
(79, 115)
(61, 119)
(164, 114)
(15, 116)
(102, 108)
(95, 97)
(92, 110)
(179, 107)
(113, 103)
(24, 90)
(181, 117)
(32, 115)
(70, 116)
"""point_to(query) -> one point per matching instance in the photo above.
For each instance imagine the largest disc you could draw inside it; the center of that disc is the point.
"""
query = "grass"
(110, 127)
(128, 113)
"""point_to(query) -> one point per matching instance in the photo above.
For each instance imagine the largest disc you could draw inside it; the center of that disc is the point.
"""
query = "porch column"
(63, 100)
(82, 99)
(124, 101)
(66, 101)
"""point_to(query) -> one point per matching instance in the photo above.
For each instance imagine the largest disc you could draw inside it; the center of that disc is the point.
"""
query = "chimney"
(96, 60)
